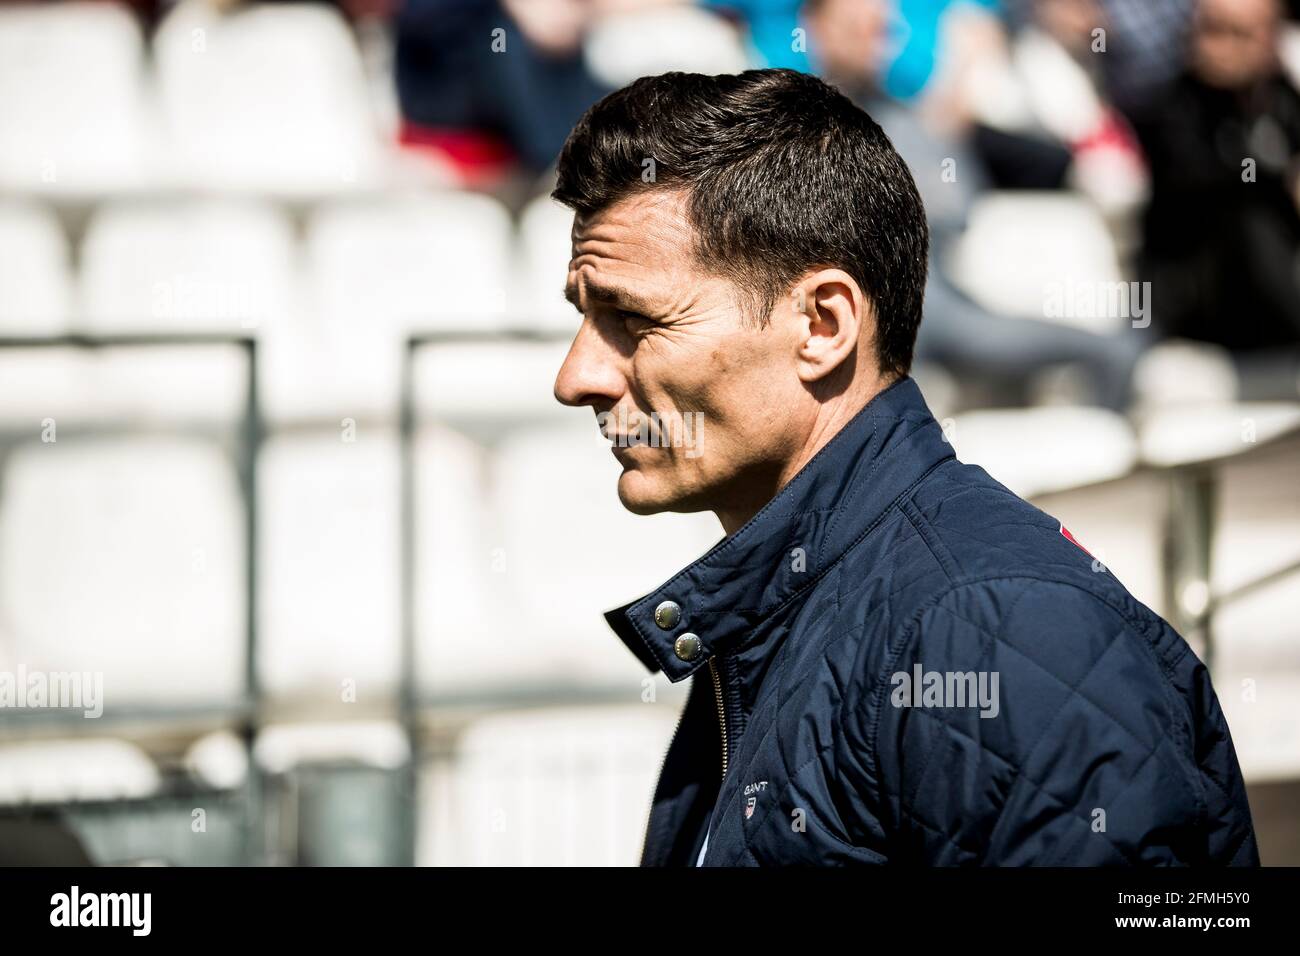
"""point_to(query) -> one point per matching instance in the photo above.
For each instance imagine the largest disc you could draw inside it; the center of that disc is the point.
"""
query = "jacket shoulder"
(1032, 711)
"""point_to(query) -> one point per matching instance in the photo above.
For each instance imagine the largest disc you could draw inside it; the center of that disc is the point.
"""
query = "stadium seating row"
(270, 100)
(330, 313)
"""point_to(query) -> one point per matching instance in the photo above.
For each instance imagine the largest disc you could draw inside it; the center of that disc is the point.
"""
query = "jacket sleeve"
(1033, 722)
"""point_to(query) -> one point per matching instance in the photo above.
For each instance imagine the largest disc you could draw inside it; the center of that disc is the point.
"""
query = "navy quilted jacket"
(899, 661)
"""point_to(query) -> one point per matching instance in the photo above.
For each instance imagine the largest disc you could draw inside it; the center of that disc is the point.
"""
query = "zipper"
(722, 710)
(716, 671)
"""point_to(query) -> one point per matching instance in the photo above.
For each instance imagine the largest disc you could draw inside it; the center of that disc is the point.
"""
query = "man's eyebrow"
(609, 295)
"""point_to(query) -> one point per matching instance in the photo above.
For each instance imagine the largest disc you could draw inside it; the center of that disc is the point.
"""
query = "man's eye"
(627, 316)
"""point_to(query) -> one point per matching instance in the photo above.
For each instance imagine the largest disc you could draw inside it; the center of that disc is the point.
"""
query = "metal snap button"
(667, 615)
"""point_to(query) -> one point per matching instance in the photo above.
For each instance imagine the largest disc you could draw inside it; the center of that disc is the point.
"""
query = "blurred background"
(300, 562)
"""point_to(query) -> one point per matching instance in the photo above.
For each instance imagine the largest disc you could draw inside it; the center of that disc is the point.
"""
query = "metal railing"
(245, 711)
(1188, 540)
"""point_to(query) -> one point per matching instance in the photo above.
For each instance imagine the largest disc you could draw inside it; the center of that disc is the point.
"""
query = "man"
(899, 660)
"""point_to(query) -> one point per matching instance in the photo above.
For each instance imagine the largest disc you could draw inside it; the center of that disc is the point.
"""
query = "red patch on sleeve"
(1066, 531)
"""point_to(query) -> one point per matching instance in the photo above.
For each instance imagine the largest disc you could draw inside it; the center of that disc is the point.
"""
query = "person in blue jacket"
(893, 659)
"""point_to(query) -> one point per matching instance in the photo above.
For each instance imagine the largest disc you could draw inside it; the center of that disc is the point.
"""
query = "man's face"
(1070, 22)
(1234, 42)
(850, 38)
(661, 337)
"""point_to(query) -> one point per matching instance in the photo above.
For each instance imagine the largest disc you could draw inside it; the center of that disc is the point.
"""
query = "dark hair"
(783, 174)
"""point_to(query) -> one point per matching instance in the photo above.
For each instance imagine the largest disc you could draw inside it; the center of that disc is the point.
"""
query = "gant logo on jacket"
(751, 791)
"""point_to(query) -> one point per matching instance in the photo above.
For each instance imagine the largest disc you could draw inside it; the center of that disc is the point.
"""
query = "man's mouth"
(628, 441)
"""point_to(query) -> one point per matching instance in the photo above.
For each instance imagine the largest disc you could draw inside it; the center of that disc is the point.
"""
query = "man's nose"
(592, 373)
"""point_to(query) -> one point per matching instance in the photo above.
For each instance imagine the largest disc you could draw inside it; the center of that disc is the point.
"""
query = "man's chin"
(643, 497)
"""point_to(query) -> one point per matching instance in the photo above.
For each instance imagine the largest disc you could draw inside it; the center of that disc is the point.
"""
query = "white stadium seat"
(1182, 372)
(217, 759)
(622, 46)
(147, 267)
(490, 380)
(148, 384)
(329, 565)
(416, 263)
(1039, 450)
(198, 266)
(377, 271)
(51, 771)
(124, 557)
(1198, 431)
(544, 250)
(267, 99)
(1042, 256)
(40, 387)
(460, 604)
(122, 385)
(76, 120)
(375, 743)
(35, 282)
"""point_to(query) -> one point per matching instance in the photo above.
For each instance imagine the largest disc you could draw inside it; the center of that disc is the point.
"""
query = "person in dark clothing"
(1222, 232)
(474, 85)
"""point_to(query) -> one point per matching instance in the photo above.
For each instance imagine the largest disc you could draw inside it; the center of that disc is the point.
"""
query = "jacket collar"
(794, 539)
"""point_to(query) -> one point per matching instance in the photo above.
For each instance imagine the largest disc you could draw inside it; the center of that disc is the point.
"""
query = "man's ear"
(830, 309)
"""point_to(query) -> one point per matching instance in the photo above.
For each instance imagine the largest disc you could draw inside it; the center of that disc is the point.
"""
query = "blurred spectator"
(923, 38)
(484, 84)
(1222, 233)
(1033, 103)
(848, 43)
(771, 25)
(488, 84)
(1057, 59)
(919, 37)
(1144, 43)
(1144, 51)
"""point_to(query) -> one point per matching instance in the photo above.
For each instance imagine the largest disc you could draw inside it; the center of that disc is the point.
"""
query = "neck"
(832, 416)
